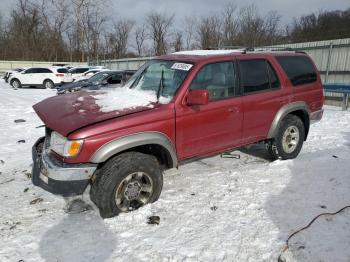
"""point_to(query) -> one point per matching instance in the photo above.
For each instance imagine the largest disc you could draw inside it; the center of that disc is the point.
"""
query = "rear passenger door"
(209, 128)
(262, 97)
(44, 74)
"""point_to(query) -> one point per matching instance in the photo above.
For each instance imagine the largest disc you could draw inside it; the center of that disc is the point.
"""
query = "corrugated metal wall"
(125, 64)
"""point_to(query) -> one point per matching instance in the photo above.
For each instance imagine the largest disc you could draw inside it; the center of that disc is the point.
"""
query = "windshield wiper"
(161, 86)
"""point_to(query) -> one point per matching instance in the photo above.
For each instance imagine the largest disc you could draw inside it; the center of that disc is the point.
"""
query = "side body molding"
(285, 110)
(127, 142)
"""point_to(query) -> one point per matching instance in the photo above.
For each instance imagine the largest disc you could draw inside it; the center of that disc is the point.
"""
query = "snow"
(208, 52)
(122, 98)
(215, 209)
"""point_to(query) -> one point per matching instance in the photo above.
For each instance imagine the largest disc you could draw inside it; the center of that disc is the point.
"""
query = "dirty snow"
(216, 209)
(122, 98)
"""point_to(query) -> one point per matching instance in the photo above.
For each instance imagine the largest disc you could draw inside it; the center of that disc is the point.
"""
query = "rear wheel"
(48, 84)
(15, 83)
(289, 140)
(126, 182)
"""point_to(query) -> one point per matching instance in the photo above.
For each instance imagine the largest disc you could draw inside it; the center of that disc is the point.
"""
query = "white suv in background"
(41, 77)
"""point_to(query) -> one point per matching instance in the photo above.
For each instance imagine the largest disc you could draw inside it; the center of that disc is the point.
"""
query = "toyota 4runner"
(206, 102)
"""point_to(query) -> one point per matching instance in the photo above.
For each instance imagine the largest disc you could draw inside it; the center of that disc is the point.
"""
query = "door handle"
(233, 109)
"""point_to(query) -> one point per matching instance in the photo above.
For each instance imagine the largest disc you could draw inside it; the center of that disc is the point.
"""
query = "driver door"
(207, 129)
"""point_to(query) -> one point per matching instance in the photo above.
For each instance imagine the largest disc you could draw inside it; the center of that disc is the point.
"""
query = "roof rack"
(238, 49)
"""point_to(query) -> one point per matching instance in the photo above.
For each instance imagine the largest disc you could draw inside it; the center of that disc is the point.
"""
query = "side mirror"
(198, 97)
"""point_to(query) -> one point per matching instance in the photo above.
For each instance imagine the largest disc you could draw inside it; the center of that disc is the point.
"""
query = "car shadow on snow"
(78, 237)
(319, 183)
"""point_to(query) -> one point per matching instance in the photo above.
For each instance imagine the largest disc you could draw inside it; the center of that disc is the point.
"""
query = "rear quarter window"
(62, 70)
(299, 69)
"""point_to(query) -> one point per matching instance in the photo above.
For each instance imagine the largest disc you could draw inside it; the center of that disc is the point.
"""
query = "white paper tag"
(181, 66)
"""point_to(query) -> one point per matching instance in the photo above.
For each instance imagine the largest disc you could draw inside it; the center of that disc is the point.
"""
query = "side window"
(115, 79)
(299, 69)
(220, 79)
(32, 71)
(257, 75)
(62, 70)
(44, 70)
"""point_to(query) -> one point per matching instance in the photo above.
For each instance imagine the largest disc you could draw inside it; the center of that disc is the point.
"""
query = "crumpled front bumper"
(57, 177)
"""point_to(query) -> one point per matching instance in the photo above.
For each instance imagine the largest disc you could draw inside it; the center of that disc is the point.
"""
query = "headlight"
(63, 146)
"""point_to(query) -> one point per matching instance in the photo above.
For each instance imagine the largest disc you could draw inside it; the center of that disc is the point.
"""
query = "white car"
(41, 77)
(88, 74)
(78, 71)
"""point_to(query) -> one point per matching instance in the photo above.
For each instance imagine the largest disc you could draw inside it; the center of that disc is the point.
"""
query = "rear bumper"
(316, 116)
(57, 177)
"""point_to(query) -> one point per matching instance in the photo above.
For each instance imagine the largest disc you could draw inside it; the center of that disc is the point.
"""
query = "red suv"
(205, 102)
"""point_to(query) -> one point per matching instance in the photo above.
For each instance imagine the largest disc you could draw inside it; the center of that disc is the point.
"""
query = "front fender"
(128, 142)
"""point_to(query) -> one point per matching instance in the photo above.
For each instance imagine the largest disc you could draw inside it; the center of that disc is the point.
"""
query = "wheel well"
(47, 80)
(162, 154)
(304, 116)
(13, 79)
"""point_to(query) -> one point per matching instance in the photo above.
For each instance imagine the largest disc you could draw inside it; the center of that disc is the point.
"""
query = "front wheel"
(289, 140)
(16, 83)
(126, 182)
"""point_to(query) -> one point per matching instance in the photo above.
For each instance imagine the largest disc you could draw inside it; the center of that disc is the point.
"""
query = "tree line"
(82, 30)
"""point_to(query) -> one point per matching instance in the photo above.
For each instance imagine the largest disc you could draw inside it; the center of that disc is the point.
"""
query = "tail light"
(59, 74)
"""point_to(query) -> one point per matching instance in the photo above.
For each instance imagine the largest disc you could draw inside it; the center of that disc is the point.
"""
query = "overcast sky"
(136, 9)
(182, 8)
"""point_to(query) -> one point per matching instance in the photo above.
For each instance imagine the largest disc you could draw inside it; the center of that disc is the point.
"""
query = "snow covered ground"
(217, 209)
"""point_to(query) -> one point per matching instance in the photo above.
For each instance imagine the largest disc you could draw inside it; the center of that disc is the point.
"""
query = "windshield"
(163, 77)
(97, 77)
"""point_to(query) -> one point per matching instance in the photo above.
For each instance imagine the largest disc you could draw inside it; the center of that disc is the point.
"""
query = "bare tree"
(159, 25)
(120, 36)
(140, 37)
(209, 32)
(230, 25)
(178, 43)
(257, 30)
(189, 25)
(320, 26)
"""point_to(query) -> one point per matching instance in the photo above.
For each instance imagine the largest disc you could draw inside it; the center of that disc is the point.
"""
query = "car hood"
(69, 112)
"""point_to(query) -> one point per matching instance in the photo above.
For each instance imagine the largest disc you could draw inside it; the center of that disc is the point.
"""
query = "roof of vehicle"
(194, 56)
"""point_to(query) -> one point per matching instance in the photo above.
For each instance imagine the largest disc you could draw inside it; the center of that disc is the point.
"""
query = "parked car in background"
(89, 74)
(97, 81)
(41, 77)
(10, 72)
(78, 71)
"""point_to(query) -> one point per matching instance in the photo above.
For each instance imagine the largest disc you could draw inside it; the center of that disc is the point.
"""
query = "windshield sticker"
(181, 66)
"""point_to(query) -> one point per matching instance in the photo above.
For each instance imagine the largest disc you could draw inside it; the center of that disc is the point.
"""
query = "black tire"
(15, 83)
(48, 84)
(285, 145)
(112, 177)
